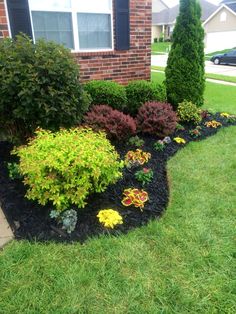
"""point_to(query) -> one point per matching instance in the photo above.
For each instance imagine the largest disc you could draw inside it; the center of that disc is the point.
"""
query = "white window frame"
(74, 12)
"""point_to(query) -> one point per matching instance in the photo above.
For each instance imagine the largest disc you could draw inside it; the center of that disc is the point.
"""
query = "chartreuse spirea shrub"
(39, 87)
(140, 91)
(156, 118)
(107, 93)
(66, 166)
(116, 124)
(189, 112)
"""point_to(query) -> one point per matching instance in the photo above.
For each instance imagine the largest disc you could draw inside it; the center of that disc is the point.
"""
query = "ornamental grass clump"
(109, 218)
(66, 166)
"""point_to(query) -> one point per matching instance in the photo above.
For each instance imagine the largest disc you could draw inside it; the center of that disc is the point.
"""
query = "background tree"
(185, 67)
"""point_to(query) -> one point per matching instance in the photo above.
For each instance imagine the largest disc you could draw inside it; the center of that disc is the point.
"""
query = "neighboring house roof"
(230, 3)
(168, 16)
(226, 6)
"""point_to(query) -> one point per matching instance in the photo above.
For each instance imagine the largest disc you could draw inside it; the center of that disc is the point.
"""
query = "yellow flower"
(109, 218)
(179, 140)
(213, 124)
(225, 114)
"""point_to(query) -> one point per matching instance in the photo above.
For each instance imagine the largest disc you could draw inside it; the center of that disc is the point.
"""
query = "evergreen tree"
(185, 67)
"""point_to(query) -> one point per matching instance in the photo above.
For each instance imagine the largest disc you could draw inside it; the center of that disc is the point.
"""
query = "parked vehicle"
(225, 58)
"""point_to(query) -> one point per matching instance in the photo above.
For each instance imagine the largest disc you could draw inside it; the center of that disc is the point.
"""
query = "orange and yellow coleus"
(137, 157)
(213, 124)
(135, 197)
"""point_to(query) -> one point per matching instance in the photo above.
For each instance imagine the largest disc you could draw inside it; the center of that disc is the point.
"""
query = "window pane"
(93, 6)
(94, 30)
(54, 26)
(49, 4)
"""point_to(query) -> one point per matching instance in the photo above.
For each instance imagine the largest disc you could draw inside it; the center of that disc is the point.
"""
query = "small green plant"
(188, 112)
(195, 133)
(66, 166)
(179, 127)
(159, 146)
(107, 93)
(14, 170)
(136, 141)
(144, 176)
(68, 219)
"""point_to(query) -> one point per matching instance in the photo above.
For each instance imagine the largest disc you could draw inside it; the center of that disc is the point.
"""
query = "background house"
(163, 21)
(110, 39)
(220, 27)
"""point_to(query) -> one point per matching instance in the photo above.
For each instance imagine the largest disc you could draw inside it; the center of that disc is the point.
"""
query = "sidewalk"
(6, 234)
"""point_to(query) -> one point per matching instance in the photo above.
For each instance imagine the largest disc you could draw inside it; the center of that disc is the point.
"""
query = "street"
(161, 60)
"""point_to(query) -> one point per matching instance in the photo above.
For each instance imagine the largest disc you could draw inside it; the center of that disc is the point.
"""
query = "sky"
(171, 3)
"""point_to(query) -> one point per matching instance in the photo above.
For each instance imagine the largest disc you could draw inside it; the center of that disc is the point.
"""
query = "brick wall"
(121, 66)
(3, 21)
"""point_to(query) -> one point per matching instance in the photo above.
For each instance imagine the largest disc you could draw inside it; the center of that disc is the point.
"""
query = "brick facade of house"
(3, 21)
(120, 66)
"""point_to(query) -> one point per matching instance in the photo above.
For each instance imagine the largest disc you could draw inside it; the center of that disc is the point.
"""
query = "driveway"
(161, 60)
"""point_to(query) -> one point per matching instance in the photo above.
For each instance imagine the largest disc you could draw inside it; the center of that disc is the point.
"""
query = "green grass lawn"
(161, 47)
(219, 77)
(217, 97)
(182, 263)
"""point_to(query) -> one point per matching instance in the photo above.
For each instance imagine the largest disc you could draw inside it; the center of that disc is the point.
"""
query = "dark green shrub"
(140, 92)
(188, 112)
(185, 67)
(66, 166)
(39, 86)
(107, 93)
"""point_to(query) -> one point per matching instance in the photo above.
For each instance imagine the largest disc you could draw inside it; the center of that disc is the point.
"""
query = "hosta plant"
(144, 176)
(135, 197)
(213, 124)
(67, 218)
(66, 166)
(179, 140)
(136, 158)
(109, 218)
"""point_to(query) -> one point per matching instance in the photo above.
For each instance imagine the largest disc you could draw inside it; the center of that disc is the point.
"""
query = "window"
(80, 25)
(223, 17)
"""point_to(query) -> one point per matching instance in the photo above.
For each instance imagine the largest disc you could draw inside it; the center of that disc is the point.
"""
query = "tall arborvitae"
(185, 67)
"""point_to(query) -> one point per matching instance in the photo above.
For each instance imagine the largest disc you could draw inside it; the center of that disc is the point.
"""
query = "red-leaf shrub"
(116, 124)
(156, 118)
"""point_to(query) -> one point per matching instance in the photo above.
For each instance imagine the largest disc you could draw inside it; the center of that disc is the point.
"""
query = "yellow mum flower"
(109, 218)
(213, 124)
(225, 114)
(179, 140)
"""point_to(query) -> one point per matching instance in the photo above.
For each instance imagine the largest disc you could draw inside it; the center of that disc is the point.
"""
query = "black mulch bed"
(31, 221)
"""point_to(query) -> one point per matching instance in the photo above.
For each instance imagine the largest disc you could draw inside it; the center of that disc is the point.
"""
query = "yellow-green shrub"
(66, 166)
(189, 112)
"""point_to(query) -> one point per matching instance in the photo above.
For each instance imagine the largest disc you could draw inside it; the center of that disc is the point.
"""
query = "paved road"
(209, 66)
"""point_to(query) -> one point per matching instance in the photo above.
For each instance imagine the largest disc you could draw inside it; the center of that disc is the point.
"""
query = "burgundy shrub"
(116, 124)
(156, 118)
